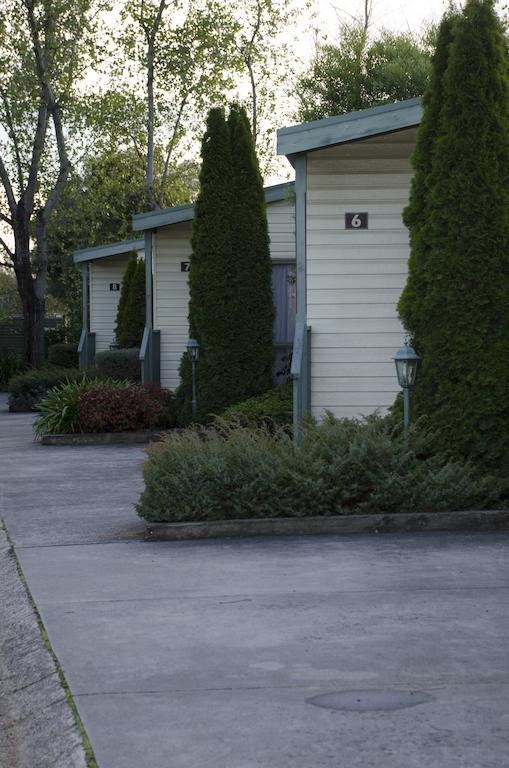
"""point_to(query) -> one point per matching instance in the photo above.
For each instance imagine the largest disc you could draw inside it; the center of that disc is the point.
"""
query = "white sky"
(397, 15)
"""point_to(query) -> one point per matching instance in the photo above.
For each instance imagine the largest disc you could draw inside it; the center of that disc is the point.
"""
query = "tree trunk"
(32, 300)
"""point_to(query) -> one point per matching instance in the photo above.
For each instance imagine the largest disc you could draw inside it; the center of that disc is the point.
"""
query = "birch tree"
(180, 52)
(44, 47)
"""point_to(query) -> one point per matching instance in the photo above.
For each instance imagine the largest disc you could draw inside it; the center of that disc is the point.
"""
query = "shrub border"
(403, 522)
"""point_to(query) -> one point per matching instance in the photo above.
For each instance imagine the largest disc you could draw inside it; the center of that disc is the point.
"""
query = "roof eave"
(347, 128)
(111, 249)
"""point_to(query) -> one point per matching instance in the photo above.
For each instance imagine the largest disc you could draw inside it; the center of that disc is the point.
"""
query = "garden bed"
(402, 522)
(105, 438)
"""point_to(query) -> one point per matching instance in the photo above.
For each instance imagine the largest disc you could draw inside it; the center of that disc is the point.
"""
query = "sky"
(397, 15)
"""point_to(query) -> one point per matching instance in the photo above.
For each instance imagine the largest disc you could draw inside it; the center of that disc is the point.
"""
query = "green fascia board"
(350, 127)
(113, 249)
(180, 213)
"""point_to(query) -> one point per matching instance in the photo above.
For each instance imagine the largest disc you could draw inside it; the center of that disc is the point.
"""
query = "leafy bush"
(108, 408)
(63, 355)
(340, 467)
(119, 364)
(273, 408)
(58, 412)
(10, 364)
(26, 390)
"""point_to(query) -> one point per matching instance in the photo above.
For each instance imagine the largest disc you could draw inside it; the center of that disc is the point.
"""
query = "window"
(284, 293)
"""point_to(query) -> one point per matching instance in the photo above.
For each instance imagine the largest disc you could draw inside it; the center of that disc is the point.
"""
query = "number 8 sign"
(356, 220)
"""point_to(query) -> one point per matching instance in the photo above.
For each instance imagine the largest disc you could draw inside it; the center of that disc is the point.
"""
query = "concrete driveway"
(223, 654)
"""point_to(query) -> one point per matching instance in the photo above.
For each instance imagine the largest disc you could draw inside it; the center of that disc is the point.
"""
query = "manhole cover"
(370, 700)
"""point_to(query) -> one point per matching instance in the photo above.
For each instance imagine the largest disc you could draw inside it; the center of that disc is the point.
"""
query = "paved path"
(206, 655)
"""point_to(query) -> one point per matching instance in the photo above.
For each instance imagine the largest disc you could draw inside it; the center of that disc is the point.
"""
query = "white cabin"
(353, 176)
(103, 269)
(168, 241)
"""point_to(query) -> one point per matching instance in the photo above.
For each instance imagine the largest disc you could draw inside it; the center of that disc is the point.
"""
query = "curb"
(404, 522)
(104, 438)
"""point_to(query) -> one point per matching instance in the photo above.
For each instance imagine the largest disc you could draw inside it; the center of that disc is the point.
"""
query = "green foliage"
(273, 408)
(460, 271)
(418, 215)
(10, 304)
(134, 318)
(119, 364)
(230, 308)
(97, 206)
(113, 408)
(356, 73)
(27, 389)
(58, 412)
(251, 348)
(10, 364)
(210, 294)
(131, 306)
(341, 467)
(63, 355)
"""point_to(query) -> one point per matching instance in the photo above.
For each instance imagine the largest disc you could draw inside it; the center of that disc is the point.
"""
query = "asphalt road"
(350, 652)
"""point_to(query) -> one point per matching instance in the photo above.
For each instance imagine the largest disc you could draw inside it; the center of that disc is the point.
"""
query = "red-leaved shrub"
(109, 408)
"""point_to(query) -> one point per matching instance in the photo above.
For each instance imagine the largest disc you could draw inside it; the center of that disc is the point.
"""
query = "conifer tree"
(131, 307)
(210, 276)
(415, 215)
(129, 276)
(253, 309)
(463, 387)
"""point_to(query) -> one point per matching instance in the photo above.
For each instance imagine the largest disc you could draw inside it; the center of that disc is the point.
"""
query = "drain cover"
(370, 700)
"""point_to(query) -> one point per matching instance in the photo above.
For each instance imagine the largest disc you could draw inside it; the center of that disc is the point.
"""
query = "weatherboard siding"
(172, 245)
(103, 302)
(355, 277)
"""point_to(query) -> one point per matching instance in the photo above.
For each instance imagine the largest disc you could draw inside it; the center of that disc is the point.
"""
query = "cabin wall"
(354, 277)
(103, 302)
(172, 246)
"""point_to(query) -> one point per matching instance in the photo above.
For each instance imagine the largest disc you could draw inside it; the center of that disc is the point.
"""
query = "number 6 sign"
(356, 220)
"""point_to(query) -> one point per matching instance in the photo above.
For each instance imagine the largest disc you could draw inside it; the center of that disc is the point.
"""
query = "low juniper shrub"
(341, 467)
(27, 390)
(272, 409)
(10, 364)
(63, 355)
(119, 364)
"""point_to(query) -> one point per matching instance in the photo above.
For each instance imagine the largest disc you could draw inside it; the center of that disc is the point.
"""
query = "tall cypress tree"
(210, 274)
(463, 387)
(253, 311)
(134, 317)
(127, 282)
(416, 214)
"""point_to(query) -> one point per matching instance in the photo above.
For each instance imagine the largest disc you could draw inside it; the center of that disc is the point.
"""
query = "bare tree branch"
(6, 182)
(37, 150)
(248, 60)
(171, 147)
(12, 133)
(6, 219)
(8, 251)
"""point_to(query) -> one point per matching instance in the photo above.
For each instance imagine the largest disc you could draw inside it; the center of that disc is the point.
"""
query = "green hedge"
(341, 467)
(10, 364)
(273, 408)
(119, 364)
(63, 355)
(26, 390)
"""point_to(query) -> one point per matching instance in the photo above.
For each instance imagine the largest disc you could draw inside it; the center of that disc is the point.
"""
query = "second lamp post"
(407, 362)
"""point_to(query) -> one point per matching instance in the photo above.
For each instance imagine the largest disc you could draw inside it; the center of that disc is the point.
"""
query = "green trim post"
(302, 350)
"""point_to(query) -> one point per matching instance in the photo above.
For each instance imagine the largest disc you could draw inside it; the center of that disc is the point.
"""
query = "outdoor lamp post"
(406, 362)
(193, 352)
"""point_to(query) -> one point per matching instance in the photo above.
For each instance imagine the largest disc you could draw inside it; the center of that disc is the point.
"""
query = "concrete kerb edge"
(88, 751)
(411, 522)
(104, 438)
